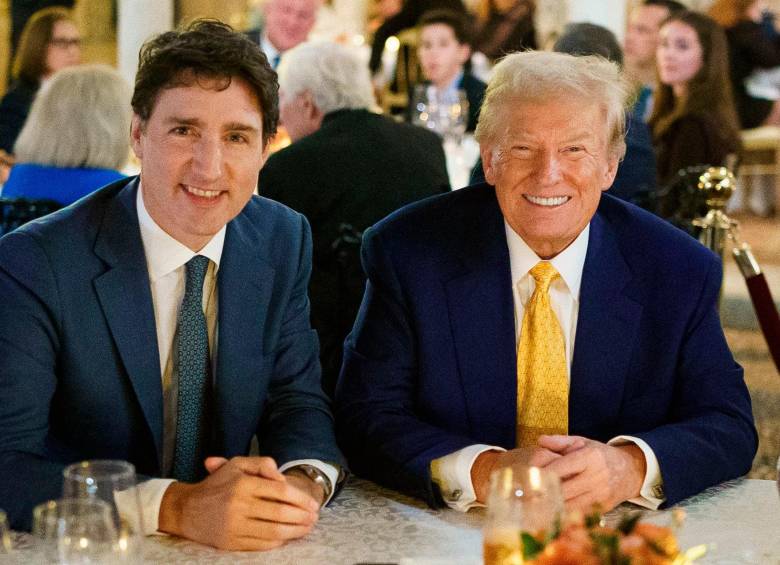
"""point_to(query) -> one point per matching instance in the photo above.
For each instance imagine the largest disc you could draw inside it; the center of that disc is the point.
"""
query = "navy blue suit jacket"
(79, 363)
(430, 366)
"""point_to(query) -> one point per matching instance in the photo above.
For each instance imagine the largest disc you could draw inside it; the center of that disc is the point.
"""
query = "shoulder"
(20, 92)
(269, 218)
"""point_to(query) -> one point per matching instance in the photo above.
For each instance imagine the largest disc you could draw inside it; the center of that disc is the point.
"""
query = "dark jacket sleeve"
(14, 108)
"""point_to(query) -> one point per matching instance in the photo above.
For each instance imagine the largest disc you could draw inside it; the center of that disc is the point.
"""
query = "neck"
(642, 74)
(680, 91)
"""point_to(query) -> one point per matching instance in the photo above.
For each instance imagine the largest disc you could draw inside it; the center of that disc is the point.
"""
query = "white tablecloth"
(369, 524)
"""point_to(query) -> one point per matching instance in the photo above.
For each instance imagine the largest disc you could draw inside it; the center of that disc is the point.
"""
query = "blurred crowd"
(698, 80)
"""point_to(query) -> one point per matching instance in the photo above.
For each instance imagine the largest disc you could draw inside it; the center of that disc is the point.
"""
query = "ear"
(611, 171)
(137, 127)
(488, 167)
(464, 52)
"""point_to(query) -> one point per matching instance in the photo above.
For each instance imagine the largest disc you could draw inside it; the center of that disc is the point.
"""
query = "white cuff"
(330, 471)
(652, 491)
(454, 476)
(150, 495)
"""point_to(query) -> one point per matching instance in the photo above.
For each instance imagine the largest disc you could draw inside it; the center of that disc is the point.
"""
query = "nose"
(207, 160)
(548, 168)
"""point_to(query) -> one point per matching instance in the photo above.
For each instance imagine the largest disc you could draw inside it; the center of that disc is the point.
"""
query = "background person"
(50, 42)
(287, 24)
(346, 169)
(75, 139)
(693, 120)
(542, 322)
(504, 26)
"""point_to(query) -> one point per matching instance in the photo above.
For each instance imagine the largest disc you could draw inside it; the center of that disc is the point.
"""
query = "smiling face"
(441, 54)
(288, 22)
(680, 55)
(550, 170)
(201, 151)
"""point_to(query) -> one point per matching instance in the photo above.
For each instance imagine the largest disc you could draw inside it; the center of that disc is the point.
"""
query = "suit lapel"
(607, 323)
(245, 285)
(479, 299)
(125, 296)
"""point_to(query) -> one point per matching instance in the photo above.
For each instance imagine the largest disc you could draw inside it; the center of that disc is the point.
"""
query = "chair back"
(15, 212)
(407, 73)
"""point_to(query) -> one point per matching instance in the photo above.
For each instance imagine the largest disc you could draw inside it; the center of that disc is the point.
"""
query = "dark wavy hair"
(709, 91)
(204, 51)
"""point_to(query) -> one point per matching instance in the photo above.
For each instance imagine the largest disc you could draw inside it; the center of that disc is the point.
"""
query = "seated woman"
(49, 42)
(444, 49)
(505, 26)
(693, 120)
(76, 137)
(753, 45)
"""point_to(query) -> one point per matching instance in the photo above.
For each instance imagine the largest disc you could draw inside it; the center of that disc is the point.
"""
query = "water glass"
(114, 482)
(440, 112)
(75, 531)
(5, 535)
(520, 499)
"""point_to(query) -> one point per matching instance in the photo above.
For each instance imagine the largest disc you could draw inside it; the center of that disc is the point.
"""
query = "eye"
(181, 130)
(574, 149)
(237, 138)
(519, 150)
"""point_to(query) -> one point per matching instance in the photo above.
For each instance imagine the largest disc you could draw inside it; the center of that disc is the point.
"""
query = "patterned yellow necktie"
(542, 379)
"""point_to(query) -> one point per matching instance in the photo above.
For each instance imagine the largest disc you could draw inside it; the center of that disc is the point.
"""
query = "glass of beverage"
(74, 530)
(521, 501)
(5, 535)
(113, 482)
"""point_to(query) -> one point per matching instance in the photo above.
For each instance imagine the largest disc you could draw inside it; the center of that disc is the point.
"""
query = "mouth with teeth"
(200, 194)
(550, 202)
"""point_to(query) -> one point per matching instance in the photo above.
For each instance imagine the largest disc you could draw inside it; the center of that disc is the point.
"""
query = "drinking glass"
(75, 531)
(5, 535)
(520, 499)
(778, 475)
(114, 482)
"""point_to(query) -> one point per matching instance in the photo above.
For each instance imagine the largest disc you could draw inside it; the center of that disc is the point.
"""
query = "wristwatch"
(318, 477)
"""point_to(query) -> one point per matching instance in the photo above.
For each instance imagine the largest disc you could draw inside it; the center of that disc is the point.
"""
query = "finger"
(273, 531)
(542, 457)
(247, 543)
(570, 465)
(213, 464)
(578, 485)
(282, 513)
(585, 503)
(284, 492)
(259, 466)
(561, 444)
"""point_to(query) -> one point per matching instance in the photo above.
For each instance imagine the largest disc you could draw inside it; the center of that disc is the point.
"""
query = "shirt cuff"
(150, 495)
(652, 491)
(331, 472)
(452, 473)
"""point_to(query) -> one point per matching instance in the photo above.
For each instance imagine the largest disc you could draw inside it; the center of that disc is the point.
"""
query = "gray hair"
(538, 76)
(333, 74)
(80, 118)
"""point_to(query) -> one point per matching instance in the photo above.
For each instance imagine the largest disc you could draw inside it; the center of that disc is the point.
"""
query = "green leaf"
(593, 519)
(606, 547)
(531, 546)
(628, 522)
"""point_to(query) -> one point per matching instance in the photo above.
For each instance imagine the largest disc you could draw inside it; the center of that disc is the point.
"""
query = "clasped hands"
(591, 472)
(245, 503)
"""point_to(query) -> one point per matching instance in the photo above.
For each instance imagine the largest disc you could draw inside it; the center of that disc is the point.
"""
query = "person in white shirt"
(164, 319)
(534, 320)
(287, 23)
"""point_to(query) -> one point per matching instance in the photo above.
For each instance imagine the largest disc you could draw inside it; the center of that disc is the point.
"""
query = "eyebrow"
(230, 126)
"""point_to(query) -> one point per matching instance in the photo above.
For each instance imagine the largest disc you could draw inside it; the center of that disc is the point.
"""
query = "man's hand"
(300, 480)
(487, 462)
(244, 504)
(595, 473)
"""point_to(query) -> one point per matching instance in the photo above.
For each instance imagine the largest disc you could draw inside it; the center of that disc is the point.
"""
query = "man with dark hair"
(641, 42)
(164, 319)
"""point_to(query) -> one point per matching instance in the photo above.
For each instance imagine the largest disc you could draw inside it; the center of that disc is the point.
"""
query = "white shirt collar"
(268, 48)
(165, 254)
(569, 262)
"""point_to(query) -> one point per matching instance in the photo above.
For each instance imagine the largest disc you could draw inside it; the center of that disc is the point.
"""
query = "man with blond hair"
(287, 23)
(535, 320)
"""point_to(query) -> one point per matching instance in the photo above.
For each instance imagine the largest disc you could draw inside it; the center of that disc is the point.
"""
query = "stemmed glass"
(5, 535)
(75, 530)
(114, 482)
(440, 112)
(778, 475)
(520, 500)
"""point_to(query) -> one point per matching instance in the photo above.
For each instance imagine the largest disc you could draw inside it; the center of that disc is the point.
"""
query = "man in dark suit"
(346, 169)
(164, 319)
(287, 23)
(541, 322)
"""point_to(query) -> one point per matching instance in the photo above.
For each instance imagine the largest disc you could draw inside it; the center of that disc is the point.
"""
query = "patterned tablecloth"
(739, 520)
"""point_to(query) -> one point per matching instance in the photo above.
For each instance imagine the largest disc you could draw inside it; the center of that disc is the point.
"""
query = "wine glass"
(114, 482)
(5, 535)
(521, 500)
(75, 531)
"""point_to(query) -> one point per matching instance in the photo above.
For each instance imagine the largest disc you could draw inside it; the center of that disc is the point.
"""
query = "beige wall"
(233, 12)
(5, 41)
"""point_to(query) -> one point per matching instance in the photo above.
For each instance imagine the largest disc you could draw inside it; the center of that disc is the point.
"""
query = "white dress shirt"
(271, 52)
(165, 260)
(454, 470)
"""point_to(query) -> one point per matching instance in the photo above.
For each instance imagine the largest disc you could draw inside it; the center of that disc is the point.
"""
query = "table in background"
(367, 523)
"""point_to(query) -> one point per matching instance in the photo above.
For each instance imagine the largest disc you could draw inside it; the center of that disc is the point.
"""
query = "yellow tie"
(542, 379)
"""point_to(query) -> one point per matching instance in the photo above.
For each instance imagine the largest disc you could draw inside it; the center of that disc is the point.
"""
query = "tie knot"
(196, 272)
(544, 273)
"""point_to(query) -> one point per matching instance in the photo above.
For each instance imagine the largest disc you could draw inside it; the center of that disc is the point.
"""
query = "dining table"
(738, 522)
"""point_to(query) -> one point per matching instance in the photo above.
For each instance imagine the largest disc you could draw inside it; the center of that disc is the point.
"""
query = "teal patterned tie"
(192, 344)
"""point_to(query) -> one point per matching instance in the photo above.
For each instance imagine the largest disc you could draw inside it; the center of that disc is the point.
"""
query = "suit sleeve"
(379, 427)
(29, 344)
(298, 423)
(710, 436)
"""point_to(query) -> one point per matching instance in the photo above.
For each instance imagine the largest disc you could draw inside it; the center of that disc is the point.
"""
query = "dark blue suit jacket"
(79, 364)
(430, 366)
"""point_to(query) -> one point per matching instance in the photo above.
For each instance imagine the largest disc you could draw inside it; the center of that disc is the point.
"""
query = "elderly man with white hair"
(535, 320)
(346, 169)
(286, 23)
